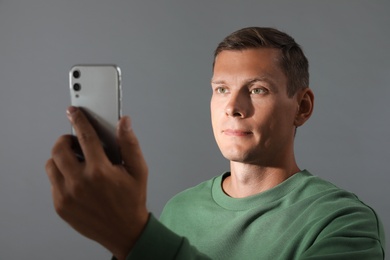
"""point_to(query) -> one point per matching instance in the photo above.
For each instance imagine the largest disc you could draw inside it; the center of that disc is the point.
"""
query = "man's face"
(252, 116)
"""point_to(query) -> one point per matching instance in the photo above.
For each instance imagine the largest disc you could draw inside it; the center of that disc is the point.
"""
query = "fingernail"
(70, 111)
(126, 126)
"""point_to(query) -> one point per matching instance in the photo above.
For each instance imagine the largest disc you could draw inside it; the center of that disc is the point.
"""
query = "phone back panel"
(96, 89)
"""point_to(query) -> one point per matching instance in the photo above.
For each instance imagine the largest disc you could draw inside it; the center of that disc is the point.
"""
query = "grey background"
(165, 51)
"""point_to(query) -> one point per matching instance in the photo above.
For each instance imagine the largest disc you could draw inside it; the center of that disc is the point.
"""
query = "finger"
(87, 137)
(57, 185)
(131, 152)
(64, 157)
(55, 176)
(57, 181)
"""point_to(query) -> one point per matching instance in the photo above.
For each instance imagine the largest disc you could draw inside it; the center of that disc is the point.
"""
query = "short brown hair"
(293, 61)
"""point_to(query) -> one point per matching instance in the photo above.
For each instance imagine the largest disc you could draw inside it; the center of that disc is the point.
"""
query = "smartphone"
(97, 91)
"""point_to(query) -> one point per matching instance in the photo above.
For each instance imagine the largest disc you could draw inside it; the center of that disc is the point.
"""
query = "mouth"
(236, 132)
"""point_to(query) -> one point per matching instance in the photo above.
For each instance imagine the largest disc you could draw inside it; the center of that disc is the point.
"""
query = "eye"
(221, 90)
(258, 91)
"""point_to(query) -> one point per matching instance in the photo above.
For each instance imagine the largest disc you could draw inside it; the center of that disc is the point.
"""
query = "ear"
(305, 100)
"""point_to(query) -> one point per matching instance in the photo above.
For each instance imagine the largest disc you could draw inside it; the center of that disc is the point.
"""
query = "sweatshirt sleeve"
(158, 242)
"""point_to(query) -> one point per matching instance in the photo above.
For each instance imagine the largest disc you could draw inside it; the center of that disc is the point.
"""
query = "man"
(266, 207)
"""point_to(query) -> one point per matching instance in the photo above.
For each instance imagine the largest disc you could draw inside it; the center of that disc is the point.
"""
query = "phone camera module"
(76, 74)
(76, 87)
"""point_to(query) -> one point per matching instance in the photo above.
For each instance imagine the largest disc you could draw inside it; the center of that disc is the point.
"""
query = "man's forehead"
(275, 52)
(255, 57)
(260, 64)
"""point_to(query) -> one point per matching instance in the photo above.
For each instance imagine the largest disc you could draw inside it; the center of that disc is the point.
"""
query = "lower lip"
(236, 133)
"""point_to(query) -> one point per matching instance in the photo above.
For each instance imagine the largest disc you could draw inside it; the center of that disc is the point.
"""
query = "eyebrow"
(250, 81)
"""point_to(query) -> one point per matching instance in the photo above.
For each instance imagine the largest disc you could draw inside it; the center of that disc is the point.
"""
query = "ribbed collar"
(263, 198)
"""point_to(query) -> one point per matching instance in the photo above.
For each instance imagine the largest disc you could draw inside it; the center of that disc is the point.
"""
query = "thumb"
(131, 153)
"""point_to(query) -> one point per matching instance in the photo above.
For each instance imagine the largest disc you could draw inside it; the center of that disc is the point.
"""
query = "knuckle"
(76, 190)
(129, 139)
(56, 152)
(133, 141)
(57, 149)
(96, 173)
(49, 166)
(84, 137)
(62, 204)
(91, 178)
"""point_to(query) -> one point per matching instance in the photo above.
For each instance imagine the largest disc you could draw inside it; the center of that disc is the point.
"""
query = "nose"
(237, 106)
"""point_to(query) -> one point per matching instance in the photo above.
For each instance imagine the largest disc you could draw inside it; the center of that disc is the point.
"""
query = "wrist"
(125, 244)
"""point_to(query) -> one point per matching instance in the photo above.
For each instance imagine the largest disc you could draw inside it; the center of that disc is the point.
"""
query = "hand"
(102, 201)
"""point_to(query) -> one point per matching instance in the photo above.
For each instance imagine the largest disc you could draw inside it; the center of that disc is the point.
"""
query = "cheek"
(273, 119)
(214, 113)
(282, 122)
(213, 120)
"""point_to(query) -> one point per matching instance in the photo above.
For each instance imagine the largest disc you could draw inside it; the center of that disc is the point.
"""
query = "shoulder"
(332, 217)
(337, 211)
(323, 195)
(200, 192)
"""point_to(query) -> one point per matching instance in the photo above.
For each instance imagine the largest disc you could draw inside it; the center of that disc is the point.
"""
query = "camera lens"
(76, 86)
(76, 74)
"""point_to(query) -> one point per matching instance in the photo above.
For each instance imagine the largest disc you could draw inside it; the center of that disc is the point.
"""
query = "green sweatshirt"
(304, 217)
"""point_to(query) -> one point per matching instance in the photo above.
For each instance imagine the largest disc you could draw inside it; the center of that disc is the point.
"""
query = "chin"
(236, 156)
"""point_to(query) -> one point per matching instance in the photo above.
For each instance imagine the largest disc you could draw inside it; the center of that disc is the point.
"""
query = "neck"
(247, 179)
